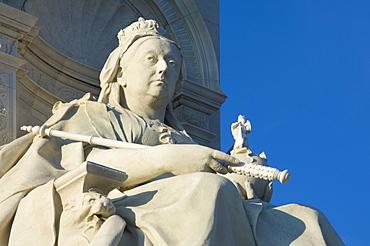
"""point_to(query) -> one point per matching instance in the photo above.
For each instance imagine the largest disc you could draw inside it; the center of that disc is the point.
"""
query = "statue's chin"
(161, 90)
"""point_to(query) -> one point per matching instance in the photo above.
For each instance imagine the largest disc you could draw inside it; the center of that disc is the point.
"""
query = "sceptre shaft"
(44, 131)
(257, 171)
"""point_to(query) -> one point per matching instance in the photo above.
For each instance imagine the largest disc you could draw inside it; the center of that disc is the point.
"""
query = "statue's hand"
(110, 232)
(190, 158)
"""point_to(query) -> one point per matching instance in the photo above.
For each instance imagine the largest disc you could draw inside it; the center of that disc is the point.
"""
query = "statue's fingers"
(218, 167)
(224, 157)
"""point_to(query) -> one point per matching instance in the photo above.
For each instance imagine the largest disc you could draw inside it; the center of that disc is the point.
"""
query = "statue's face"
(152, 71)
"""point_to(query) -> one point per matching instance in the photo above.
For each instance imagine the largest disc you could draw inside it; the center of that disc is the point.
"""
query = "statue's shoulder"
(63, 106)
(63, 110)
(83, 116)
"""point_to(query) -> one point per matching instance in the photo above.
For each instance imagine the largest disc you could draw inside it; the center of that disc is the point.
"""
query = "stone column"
(9, 67)
(16, 31)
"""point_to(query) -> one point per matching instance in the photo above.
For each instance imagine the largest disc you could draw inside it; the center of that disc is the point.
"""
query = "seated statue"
(172, 195)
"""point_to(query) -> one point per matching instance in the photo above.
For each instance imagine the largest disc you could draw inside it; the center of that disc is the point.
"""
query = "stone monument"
(54, 50)
(124, 168)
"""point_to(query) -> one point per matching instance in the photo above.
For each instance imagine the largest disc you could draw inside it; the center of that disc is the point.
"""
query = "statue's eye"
(172, 62)
(91, 200)
(151, 58)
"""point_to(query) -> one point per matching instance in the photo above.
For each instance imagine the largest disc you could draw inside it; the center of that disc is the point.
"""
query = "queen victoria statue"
(151, 184)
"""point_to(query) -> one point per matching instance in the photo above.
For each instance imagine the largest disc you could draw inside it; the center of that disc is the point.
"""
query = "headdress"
(110, 91)
(126, 37)
(141, 27)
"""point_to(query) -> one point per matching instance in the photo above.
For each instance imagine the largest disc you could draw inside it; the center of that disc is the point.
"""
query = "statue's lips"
(159, 82)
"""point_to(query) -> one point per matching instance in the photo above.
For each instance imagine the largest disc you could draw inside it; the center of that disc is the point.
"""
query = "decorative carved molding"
(91, 41)
(15, 23)
(8, 45)
(194, 107)
(67, 49)
(9, 66)
(34, 103)
(16, 28)
(60, 67)
(52, 85)
(199, 97)
(83, 30)
(200, 135)
(4, 106)
(176, 24)
(200, 40)
(192, 116)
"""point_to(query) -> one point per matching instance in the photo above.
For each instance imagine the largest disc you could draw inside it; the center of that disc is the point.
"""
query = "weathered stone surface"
(163, 187)
(68, 45)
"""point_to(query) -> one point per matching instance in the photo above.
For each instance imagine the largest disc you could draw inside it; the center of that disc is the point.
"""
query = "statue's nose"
(108, 204)
(162, 67)
(108, 208)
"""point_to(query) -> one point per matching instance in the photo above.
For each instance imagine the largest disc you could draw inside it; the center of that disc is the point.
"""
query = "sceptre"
(43, 131)
(257, 171)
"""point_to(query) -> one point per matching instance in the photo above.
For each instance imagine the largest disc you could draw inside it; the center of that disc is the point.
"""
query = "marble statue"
(84, 215)
(58, 191)
(240, 130)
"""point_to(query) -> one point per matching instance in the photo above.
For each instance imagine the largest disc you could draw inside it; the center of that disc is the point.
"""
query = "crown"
(141, 27)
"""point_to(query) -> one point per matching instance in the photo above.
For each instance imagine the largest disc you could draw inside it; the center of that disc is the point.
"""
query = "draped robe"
(192, 209)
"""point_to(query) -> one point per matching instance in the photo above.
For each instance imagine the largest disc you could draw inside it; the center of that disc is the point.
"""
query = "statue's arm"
(131, 161)
(142, 165)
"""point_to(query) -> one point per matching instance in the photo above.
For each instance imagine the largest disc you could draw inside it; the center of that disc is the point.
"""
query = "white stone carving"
(44, 131)
(59, 29)
(86, 209)
(83, 216)
(167, 184)
(34, 103)
(248, 169)
(251, 176)
(261, 172)
(8, 76)
(78, 29)
(15, 29)
(240, 130)
(67, 63)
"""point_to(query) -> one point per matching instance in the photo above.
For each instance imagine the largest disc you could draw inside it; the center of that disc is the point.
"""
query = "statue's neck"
(148, 107)
(149, 112)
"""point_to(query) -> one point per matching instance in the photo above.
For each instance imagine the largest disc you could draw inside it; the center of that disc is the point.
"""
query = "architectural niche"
(57, 49)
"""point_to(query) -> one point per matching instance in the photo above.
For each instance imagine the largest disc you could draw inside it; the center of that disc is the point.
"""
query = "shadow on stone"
(275, 227)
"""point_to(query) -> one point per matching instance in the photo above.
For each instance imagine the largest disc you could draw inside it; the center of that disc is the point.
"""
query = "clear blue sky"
(300, 72)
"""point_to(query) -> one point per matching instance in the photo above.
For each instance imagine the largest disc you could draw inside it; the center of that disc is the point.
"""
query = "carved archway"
(74, 39)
